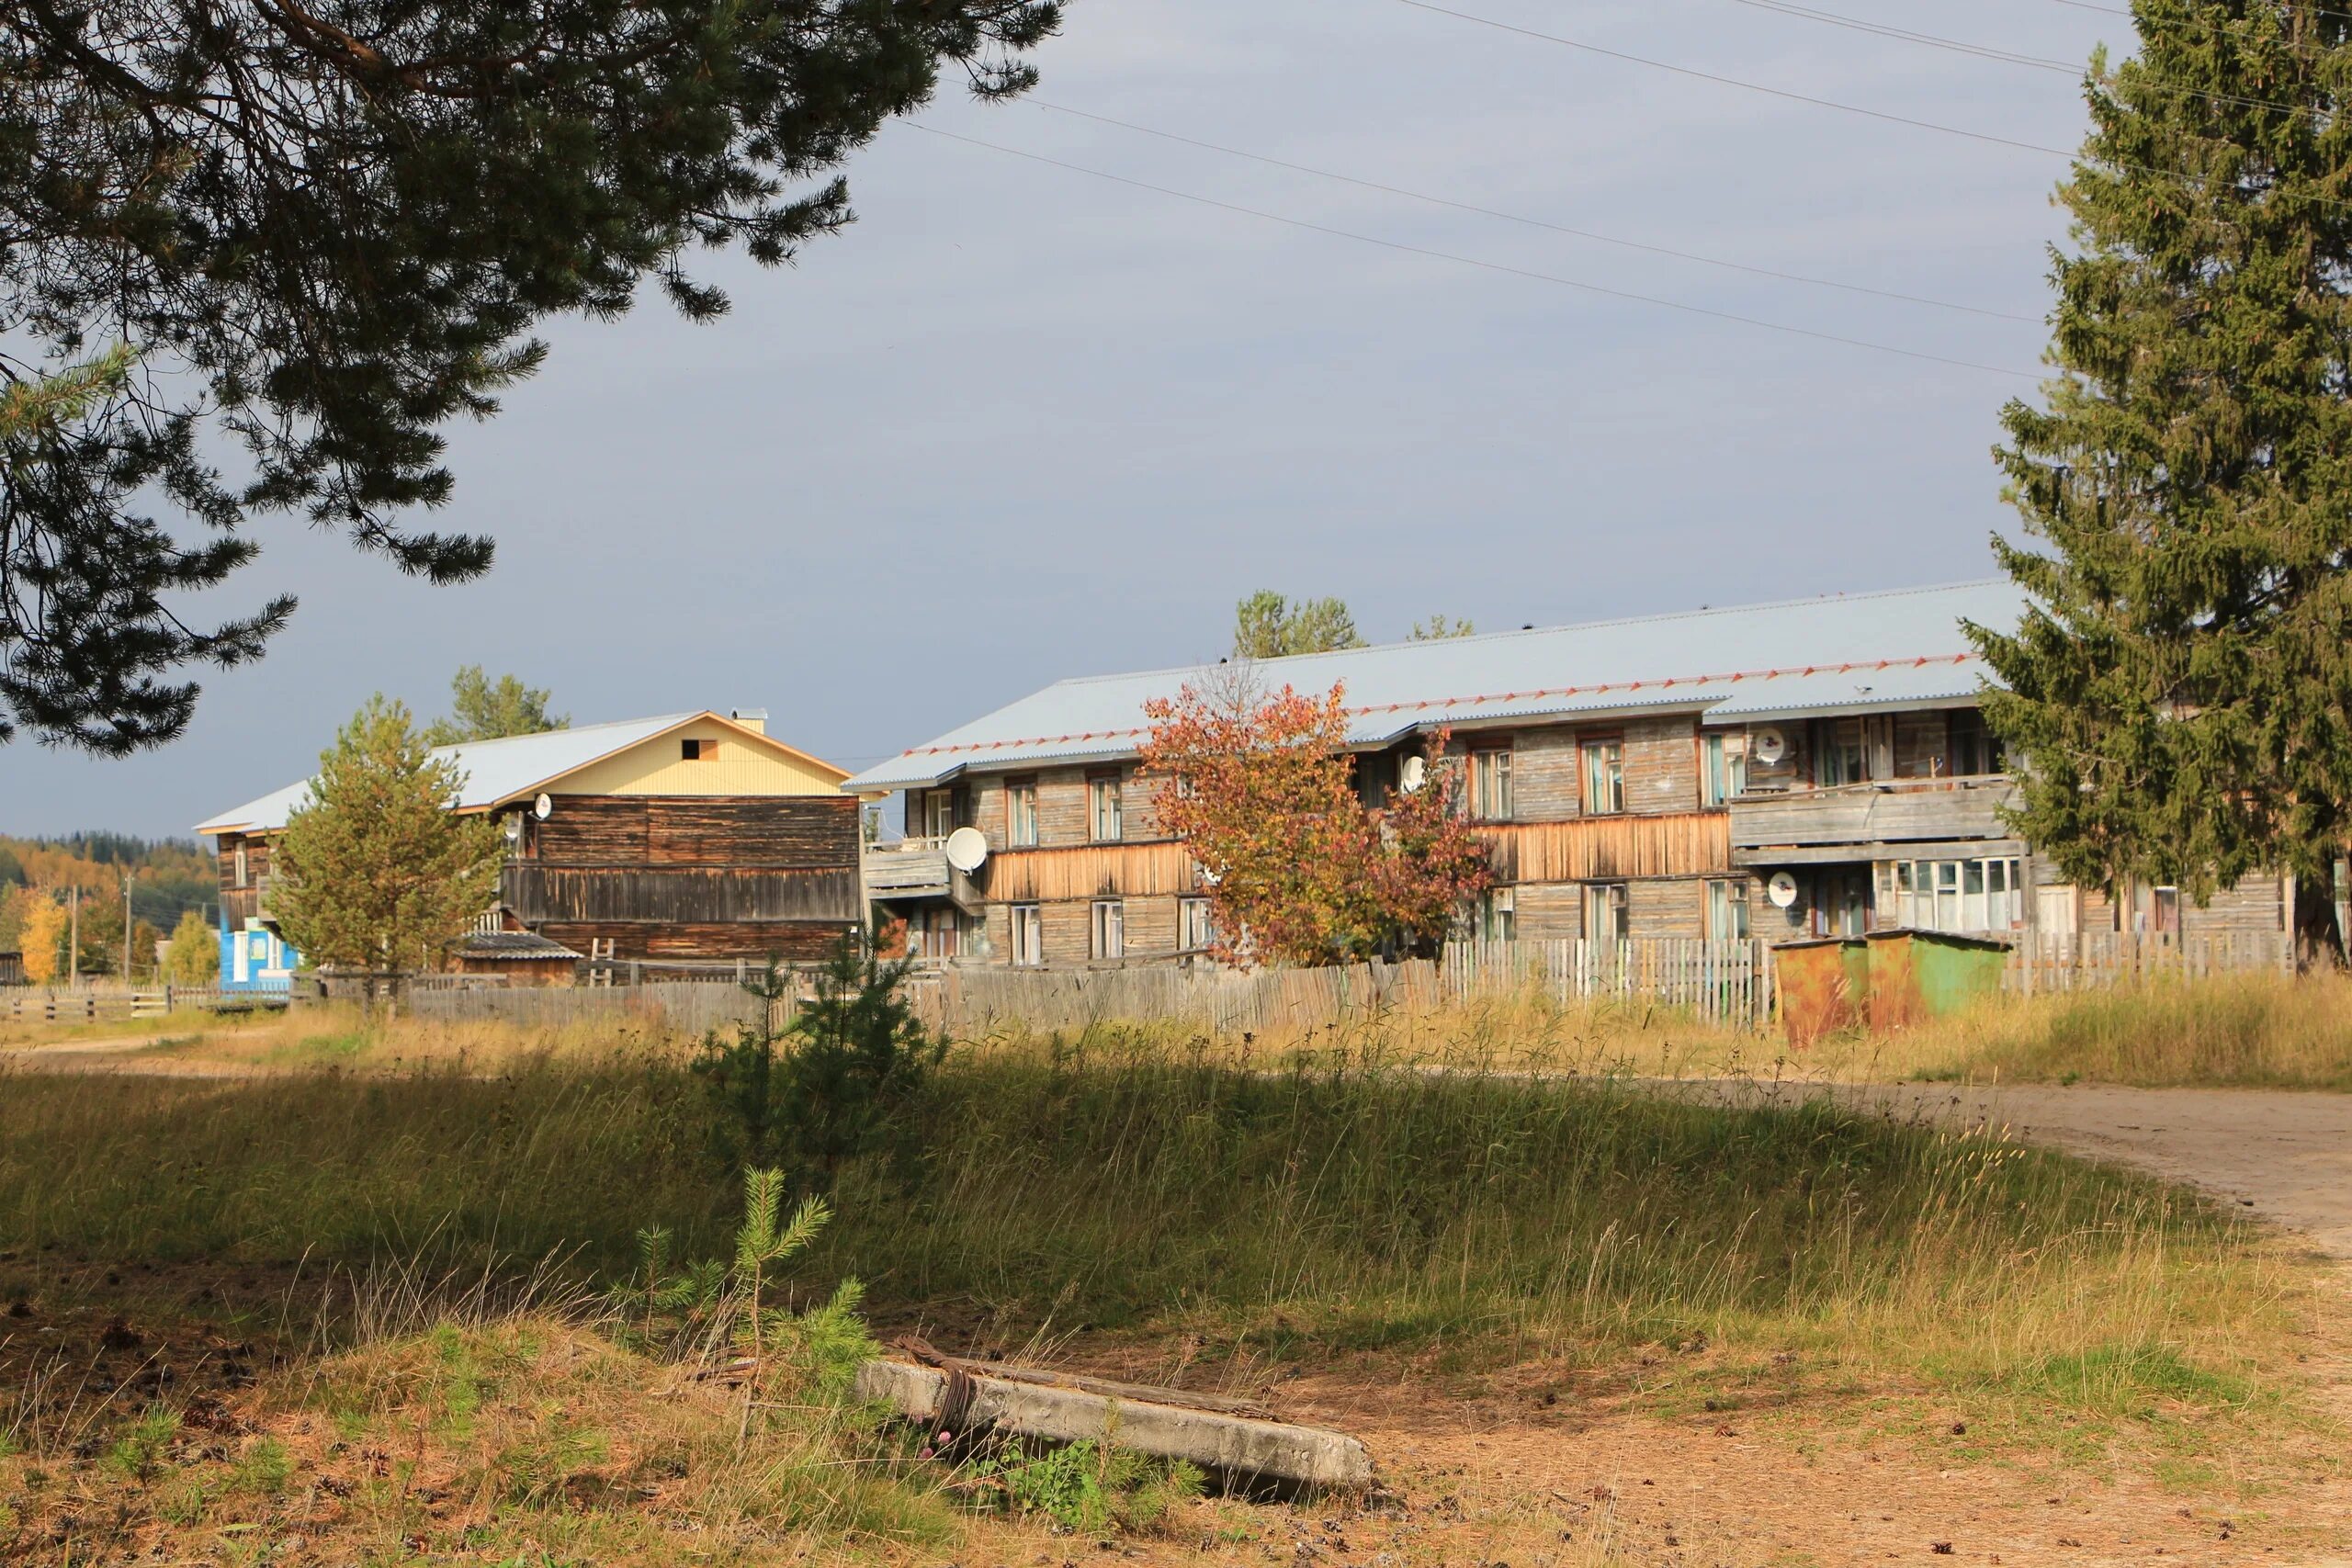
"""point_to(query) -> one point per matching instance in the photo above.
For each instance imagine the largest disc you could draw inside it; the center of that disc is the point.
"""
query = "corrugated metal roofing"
(491, 770)
(512, 944)
(1851, 651)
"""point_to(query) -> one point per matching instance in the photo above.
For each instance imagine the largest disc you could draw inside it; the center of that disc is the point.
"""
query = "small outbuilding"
(520, 958)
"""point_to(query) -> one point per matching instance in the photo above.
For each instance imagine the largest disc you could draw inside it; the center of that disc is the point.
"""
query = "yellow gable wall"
(654, 767)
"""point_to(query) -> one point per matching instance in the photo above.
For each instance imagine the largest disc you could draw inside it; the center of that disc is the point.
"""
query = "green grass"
(1341, 1202)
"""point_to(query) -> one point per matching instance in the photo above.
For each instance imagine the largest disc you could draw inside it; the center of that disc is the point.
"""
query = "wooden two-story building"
(691, 837)
(1810, 768)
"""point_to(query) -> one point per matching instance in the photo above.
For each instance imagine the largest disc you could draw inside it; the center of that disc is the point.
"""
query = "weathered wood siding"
(742, 830)
(1026, 876)
(1610, 848)
(696, 896)
(797, 941)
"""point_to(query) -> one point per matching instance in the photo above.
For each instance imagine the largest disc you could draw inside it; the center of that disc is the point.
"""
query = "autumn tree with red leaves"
(1301, 871)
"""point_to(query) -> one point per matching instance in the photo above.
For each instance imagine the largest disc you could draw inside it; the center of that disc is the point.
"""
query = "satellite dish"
(1782, 889)
(968, 850)
(1771, 746)
(514, 827)
(1413, 775)
(543, 807)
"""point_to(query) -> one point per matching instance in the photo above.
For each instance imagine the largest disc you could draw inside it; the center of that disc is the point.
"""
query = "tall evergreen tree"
(378, 873)
(2182, 690)
(484, 710)
(329, 229)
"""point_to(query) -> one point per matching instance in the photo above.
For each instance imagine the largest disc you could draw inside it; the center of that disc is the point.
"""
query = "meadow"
(1509, 1188)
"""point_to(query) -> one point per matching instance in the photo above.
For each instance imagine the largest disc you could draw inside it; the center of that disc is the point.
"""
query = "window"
(1725, 774)
(937, 934)
(1838, 752)
(1490, 783)
(1728, 910)
(1954, 895)
(1976, 750)
(1604, 912)
(241, 869)
(1020, 814)
(1499, 914)
(1375, 778)
(1110, 929)
(1103, 820)
(938, 813)
(1195, 929)
(1028, 936)
(1604, 777)
(698, 750)
(2163, 911)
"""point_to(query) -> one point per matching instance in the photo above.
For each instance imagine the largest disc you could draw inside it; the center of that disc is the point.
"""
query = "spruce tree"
(2181, 690)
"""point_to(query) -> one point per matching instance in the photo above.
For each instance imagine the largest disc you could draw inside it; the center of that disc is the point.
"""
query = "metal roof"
(512, 944)
(1847, 652)
(491, 770)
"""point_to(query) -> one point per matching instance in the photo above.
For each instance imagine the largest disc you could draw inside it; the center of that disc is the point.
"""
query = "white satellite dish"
(1771, 746)
(968, 850)
(514, 827)
(1782, 889)
(1413, 775)
(543, 807)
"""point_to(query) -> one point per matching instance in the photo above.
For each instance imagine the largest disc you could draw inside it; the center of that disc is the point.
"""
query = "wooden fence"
(1731, 983)
(2062, 961)
(93, 1004)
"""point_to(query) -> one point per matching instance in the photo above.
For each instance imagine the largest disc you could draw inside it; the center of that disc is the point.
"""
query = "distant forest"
(168, 877)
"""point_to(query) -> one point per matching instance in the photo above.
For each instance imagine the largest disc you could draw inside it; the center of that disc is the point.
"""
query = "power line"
(1734, 82)
(2039, 62)
(1483, 265)
(1883, 29)
(2194, 182)
(1534, 222)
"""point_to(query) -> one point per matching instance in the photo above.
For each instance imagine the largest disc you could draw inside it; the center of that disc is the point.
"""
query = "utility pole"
(126, 930)
(73, 942)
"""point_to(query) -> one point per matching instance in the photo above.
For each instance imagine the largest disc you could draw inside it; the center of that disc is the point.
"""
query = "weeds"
(1084, 1487)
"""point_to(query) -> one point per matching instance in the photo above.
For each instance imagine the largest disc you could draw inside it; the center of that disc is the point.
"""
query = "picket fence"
(2061, 961)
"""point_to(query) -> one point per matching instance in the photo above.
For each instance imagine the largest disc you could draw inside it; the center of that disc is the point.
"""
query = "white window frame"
(1499, 914)
(1028, 936)
(1724, 770)
(1490, 783)
(1020, 814)
(1195, 923)
(1729, 915)
(243, 868)
(1606, 904)
(1107, 923)
(1604, 777)
(1105, 810)
(1980, 893)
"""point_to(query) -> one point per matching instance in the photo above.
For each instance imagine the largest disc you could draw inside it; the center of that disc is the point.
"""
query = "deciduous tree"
(484, 710)
(192, 957)
(1261, 789)
(378, 872)
(2181, 692)
(43, 930)
(328, 230)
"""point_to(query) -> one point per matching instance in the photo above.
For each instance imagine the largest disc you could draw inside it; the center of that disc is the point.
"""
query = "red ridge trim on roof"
(1921, 662)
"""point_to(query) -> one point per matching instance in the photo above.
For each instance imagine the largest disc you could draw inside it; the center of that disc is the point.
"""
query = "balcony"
(917, 868)
(1888, 820)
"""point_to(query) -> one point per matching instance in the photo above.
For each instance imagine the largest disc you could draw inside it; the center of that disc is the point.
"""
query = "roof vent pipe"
(753, 719)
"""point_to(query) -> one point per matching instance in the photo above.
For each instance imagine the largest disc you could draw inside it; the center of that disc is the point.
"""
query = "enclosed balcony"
(1884, 819)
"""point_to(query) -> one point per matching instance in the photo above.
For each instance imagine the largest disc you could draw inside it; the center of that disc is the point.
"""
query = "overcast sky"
(1018, 422)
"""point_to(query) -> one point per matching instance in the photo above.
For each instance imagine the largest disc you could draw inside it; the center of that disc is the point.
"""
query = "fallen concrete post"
(1240, 1453)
